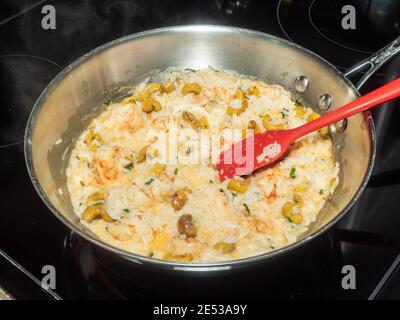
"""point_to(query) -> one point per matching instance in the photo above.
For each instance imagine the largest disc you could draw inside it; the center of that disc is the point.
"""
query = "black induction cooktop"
(31, 238)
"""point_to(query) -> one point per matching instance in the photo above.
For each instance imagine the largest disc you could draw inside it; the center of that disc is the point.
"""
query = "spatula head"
(252, 153)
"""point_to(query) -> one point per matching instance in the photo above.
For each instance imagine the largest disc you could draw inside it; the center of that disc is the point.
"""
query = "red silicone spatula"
(262, 149)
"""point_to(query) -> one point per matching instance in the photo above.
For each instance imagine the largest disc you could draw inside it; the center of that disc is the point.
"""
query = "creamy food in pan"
(134, 194)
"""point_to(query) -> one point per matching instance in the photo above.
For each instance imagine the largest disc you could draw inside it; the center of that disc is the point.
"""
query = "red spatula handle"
(372, 99)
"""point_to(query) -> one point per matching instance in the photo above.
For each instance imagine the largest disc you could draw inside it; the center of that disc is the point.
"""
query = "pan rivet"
(301, 83)
(324, 101)
(341, 125)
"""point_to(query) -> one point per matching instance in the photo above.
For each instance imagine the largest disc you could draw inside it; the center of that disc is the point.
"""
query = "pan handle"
(374, 62)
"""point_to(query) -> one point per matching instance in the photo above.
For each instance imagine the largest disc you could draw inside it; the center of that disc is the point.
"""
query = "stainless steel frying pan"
(68, 103)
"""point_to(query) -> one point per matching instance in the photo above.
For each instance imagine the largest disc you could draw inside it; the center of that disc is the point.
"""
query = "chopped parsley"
(151, 254)
(211, 181)
(129, 166)
(285, 113)
(126, 210)
(247, 208)
(293, 173)
(176, 171)
(321, 191)
(80, 203)
(82, 183)
(222, 190)
(298, 103)
(150, 181)
(107, 103)
(233, 195)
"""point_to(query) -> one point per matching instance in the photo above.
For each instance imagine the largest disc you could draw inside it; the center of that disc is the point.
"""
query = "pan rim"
(206, 266)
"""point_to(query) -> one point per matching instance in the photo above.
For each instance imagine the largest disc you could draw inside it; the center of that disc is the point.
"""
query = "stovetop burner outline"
(315, 28)
(22, 55)
(326, 37)
(362, 53)
(19, 134)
